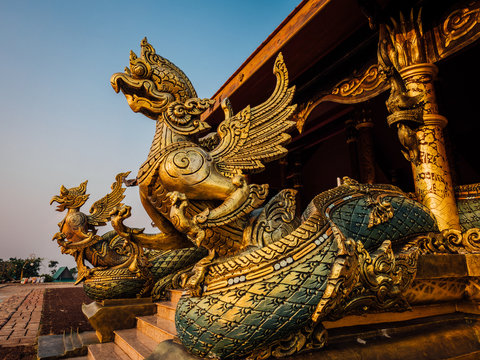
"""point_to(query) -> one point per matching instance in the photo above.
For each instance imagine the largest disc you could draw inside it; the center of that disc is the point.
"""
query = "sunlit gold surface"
(403, 50)
(194, 188)
(110, 315)
(432, 175)
(78, 233)
(332, 265)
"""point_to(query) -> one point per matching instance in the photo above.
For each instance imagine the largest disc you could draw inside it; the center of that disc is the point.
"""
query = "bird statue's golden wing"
(255, 135)
(100, 210)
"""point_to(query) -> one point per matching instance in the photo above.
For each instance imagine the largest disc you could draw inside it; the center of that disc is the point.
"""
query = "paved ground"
(20, 312)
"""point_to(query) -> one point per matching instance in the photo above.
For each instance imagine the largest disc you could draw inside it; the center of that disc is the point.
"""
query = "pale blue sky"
(62, 123)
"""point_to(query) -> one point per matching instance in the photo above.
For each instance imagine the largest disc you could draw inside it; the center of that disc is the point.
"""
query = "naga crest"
(72, 198)
(158, 89)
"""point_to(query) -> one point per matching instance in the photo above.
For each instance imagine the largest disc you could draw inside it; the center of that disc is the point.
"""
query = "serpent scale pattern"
(410, 218)
(468, 212)
(232, 323)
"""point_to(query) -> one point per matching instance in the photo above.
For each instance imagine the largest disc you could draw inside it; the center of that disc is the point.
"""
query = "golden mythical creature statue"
(121, 268)
(270, 277)
(78, 234)
(260, 282)
(194, 187)
(263, 280)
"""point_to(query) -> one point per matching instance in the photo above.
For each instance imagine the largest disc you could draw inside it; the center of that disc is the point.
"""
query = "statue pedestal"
(116, 314)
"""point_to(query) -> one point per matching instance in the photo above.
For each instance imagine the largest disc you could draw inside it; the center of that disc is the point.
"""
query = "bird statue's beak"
(58, 236)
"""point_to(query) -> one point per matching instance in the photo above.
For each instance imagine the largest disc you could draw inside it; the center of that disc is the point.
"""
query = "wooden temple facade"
(331, 51)
(360, 115)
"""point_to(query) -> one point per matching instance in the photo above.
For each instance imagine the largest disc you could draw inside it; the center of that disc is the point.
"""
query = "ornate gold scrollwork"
(183, 117)
(302, 113)
(457, 30)
(311, 337)
(449, 241)
(459, 23)
(360, 87)
(383, 279)
(276, 220)
(382, 210)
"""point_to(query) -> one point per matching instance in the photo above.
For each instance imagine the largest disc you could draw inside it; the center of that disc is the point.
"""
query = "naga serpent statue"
(260, 278)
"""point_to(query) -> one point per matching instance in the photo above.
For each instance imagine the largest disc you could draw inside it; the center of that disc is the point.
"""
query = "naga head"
(71, 198)
(158, 89)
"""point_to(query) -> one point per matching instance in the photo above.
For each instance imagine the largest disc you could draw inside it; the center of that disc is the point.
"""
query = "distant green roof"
(62, 274)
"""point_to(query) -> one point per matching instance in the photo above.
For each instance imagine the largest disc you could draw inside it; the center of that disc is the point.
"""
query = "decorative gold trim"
(458, 30)
(381, 212)
(302, 113)
(467, 192)
(448, 242)
(382, 281)
(359, 87)
(312, 337)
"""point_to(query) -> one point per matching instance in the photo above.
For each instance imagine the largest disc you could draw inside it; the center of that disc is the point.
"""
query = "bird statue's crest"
(75, 197)
(71, 198)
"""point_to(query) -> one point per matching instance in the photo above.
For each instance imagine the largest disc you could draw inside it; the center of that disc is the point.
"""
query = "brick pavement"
(21, 325)
(10, 299)
(20, 312)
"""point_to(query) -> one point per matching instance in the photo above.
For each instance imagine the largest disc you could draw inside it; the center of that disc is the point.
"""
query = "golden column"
(433, 180)
(404, 54)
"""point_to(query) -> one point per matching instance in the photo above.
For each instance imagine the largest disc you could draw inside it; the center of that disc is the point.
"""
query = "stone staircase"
(138, 343)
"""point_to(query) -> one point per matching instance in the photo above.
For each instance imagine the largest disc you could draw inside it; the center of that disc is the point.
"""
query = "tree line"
(15, 268)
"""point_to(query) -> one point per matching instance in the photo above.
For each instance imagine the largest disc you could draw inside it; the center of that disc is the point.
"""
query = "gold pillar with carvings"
(432, 177)
(414, 111)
